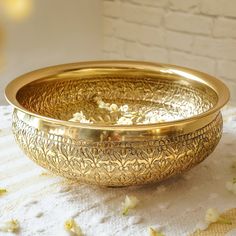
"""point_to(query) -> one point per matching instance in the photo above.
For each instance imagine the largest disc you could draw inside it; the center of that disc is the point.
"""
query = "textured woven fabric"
(219, 229)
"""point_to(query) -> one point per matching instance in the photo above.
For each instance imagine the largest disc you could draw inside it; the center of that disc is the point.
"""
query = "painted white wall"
(200, 34)
(58, 31)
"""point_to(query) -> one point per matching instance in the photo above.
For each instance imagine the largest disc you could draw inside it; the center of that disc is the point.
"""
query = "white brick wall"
(189, 23)
(200, 34)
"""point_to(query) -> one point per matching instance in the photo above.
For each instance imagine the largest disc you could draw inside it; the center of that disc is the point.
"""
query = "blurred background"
(39, 33)
(200, 34)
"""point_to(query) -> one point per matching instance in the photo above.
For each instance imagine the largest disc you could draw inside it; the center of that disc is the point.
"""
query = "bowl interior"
(166, 96)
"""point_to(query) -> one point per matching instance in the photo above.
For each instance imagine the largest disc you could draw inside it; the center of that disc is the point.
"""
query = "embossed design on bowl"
(105, 154)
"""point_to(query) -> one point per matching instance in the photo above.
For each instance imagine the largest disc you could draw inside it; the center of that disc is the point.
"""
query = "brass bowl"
(106, 154)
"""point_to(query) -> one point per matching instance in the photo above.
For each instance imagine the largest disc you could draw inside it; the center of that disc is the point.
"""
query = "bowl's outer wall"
(111, 155)
(116, 162)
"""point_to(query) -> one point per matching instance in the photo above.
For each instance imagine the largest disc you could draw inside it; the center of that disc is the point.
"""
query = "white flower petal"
(212, 215)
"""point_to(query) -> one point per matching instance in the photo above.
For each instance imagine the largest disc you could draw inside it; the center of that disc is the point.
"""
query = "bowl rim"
(218, 86)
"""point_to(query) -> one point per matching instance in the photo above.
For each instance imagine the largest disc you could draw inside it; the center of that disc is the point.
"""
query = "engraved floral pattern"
(61, 99)
(119, 163)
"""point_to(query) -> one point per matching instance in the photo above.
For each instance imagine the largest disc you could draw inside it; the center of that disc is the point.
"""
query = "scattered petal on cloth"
(220, 228)
(42, 203)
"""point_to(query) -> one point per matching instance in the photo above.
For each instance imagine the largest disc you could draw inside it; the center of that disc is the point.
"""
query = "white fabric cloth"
(41, 203)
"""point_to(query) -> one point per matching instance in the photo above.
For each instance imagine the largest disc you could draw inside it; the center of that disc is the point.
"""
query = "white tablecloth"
(42, 202)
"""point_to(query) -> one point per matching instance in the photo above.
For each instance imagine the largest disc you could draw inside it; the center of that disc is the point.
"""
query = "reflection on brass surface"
(102, 153)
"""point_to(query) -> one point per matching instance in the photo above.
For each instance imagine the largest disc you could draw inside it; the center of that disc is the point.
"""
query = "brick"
(151, 36)
(155, 54)
(154, 3)
(189, 23)
(226, 69)
(127, 31)
(232, 87)
(111, 44)
(219, 7)
(196, 62)
(111, 8)
(142, 15)
(109, 26)
(133, 51)
(216, 48)
(139, 52)
(179, 41)
(112, 56)
(225, 28)
(183, 5)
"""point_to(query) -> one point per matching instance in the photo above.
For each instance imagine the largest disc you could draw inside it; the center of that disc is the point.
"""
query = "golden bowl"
(186, 102)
